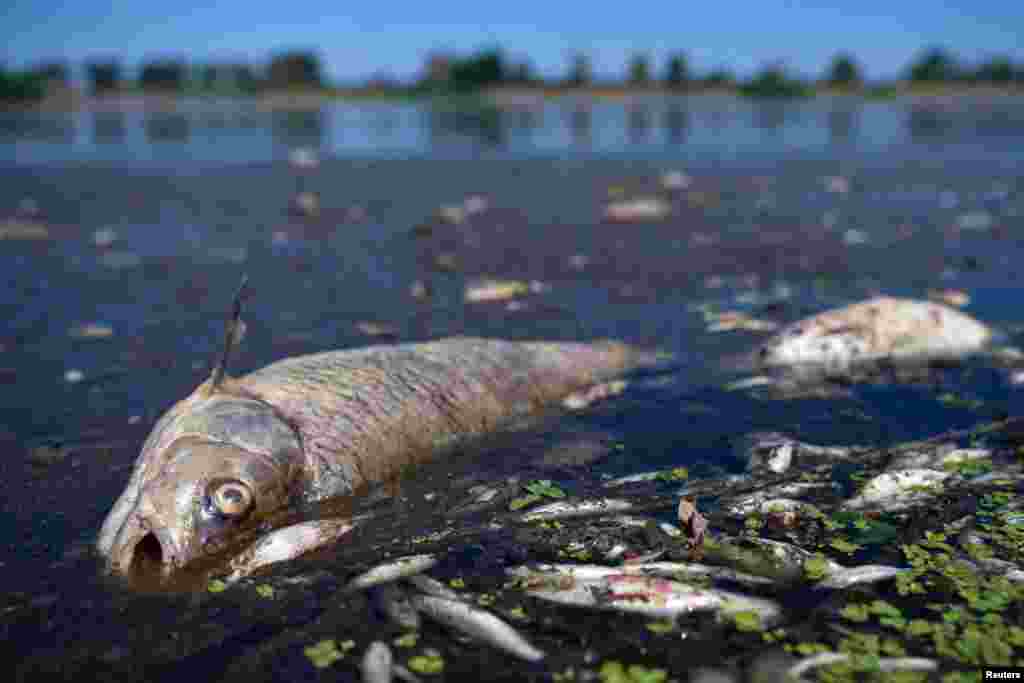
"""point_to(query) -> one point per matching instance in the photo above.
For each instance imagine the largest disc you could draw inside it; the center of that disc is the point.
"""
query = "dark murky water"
(934, 201)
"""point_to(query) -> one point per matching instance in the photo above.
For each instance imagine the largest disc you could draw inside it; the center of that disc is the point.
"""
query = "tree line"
(485, 68)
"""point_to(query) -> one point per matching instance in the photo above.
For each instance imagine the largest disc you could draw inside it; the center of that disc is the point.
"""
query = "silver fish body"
(240, 457)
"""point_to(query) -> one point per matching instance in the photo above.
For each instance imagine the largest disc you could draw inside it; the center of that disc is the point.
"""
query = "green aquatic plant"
(545, 488)
(674, 474)
(216, 586)
(615, 672)
(747, 621)
(457, 582)
(518, 612)
(324, 654)
(265, 591)
(816, 567)
(426, 664)
(844, 546)
(661, 626)
(407, 640)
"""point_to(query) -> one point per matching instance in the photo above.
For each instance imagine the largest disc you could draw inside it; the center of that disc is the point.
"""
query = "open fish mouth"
(141, 550)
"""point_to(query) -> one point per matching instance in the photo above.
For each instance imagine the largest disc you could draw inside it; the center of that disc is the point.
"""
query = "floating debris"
(675, 180)
(875, 330)
(582, 399)
(582, 508)
(750, 383)
(419, 290)
(500, 290)
(579, 261)
(392, 571)
(306, 204)
(452, 215)
(638, 210)
(977, 220)
(729, 321)
(854, 237)
(91, 331)
(374, 329)
(74, 376)
(303, 158)
(477, 623)
(104, 237)
(694, 524)
(15, 229)
(475, 204)
(837, 184)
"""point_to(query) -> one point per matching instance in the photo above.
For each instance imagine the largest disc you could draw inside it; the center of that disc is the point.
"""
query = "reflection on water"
(709, 125)
(842, 123)
(108, 127)
(677, 119)
(639, 123)
(166, 127)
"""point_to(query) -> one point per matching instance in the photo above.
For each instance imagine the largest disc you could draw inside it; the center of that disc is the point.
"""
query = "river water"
(152, 217)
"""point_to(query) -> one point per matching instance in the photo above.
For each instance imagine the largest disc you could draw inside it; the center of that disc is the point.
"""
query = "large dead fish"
(233, 462)
(873, 331)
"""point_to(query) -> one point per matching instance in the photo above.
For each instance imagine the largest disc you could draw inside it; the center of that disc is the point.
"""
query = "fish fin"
(234, 330)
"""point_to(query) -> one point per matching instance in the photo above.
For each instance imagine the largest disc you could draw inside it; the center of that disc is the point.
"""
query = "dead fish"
(283, 544)
(637, 210)
(477, 623)
(582, 508)
(394, 570)
(879, 329)
(242, 456)
(377, 663)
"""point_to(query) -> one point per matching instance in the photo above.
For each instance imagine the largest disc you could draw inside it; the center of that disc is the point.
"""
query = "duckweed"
(408, 640)
(324, 654)
(615, 672)
(426, 664)
(217, 586)
(747, 621)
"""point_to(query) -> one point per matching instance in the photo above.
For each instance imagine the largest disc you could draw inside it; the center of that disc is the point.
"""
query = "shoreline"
(508, 96)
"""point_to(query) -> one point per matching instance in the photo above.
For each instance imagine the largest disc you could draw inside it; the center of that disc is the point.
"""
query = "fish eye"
(231, 498)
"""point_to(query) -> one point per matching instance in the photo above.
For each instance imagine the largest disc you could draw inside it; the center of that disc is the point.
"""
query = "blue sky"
(355, 40)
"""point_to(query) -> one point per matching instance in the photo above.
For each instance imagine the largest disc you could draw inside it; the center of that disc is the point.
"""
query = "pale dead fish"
(478, 624)
(853, 576)
(884, 328)
(897, 489)
(392, 571)
(583, 508)
(286, 543)
(377, 663)
(242, 456)
(637, 210)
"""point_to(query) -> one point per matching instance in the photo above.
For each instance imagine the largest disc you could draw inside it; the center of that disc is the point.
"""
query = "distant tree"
(55, 73)
(579, 72)
(163, 74)
(844, 72)
(244, 76)
(719, 78)
(294, 69)
(639, 70)
(522, 73)
(482, 70)
(934, 66)
(998, 71)
(678, 73)
(20, 86)
(104, 76)
(773, 81)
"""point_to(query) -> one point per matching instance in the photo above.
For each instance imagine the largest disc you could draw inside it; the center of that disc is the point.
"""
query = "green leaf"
(426, 664)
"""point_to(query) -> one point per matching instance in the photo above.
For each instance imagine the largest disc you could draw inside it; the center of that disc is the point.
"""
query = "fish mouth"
(142, 549)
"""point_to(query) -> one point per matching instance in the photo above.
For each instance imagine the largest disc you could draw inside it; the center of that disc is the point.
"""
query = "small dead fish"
(377, 663)
(582, 399)
(477, 623)
(637, 210)
(583, 508)
(286, 543)
(431, 586)
(879, 329)
(852, 576)
(393, 601)
(242, 456)
(392, 571)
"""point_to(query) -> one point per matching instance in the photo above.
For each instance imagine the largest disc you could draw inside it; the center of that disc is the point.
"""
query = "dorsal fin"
(234, 329)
